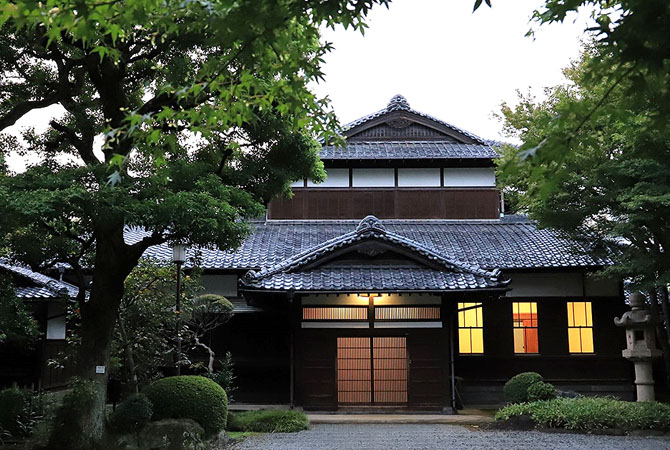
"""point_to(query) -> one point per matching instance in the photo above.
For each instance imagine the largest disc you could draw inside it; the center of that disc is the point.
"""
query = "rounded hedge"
(190, 397)
(516, 389)
(541, 391)
(132, 413)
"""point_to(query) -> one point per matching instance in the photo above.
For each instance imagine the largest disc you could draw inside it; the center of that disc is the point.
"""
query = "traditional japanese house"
(34, 365)
(399, 283)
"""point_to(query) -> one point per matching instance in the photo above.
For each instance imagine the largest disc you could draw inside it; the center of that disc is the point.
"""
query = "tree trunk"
(130, 356)
(662, 330)
(212, 355)
(98, 317)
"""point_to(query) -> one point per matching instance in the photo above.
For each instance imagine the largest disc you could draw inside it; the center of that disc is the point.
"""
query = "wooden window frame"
(473, 306)
(588, 316)
(524, 327)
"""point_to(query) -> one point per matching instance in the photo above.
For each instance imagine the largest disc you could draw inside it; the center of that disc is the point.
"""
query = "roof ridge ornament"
(370, 223)
(397, 103)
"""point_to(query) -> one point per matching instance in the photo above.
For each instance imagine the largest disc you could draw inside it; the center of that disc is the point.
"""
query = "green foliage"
(592, 413)
(17, 324)
(595, 164)
(69, 418)
(132, 413)
(541, 391)
(144, 336)
(268, 421)
(223, 375)
(190, 397)
(516, 388)
(13, 405)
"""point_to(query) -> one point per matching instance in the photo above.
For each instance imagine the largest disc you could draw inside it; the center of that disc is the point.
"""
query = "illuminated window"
(524, 316)
(470, 328)
(335, 313)
(580, 327)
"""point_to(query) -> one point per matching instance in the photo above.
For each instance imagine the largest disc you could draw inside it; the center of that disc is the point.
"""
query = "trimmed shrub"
(516, 389)
(132, 414)
(190, 397)
(268, 421)
(541, 391)
(592, 413)
(13, 405)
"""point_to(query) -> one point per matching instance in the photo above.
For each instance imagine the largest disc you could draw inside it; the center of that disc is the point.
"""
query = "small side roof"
(37, 285)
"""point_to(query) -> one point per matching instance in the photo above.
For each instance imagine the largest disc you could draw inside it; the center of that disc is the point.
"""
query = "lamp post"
(178, 257)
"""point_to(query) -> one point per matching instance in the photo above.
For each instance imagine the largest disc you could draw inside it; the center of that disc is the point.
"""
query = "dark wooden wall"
(604, 372)
(388, 203)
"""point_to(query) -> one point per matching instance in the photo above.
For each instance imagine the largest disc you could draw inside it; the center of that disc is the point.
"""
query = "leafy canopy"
(606, 180)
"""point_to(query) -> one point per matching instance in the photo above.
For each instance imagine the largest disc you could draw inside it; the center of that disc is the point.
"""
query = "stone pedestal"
(640, 345)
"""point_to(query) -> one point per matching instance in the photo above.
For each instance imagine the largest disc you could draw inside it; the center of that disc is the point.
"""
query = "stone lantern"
(641, 345)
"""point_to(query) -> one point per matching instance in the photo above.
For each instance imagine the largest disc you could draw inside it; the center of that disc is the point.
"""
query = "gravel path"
(404, 437)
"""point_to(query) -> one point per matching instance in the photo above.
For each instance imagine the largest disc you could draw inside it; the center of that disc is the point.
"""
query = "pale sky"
(447, 61)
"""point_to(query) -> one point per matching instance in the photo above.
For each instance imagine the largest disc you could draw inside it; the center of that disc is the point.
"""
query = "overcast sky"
(447, 61)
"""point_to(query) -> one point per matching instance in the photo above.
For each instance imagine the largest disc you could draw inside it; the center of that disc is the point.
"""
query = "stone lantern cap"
(638, 316)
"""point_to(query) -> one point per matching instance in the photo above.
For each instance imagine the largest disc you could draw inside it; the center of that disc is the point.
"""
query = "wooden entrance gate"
(372, 370)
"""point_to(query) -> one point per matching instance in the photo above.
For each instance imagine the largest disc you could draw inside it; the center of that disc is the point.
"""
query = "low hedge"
(592, 413)
(190, 397)
(13, 403)
(516, 389)
(268, 421)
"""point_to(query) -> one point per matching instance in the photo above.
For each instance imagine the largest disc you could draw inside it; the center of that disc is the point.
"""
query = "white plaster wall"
(374, 177)
(469, 177)
(56, 326)
(225, 285)
(300, 183)
(334, 178)
(545, 285)
(601, 287)
(429, 177)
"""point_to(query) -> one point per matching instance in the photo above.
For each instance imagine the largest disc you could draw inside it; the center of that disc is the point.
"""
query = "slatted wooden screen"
(362, 361)
(335, 313)
(390, 369)
(354, 375)
(407, 312)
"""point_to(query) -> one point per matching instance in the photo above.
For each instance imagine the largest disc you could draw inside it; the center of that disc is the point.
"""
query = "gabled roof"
(39, 286)
(398, 103)
(306, 271)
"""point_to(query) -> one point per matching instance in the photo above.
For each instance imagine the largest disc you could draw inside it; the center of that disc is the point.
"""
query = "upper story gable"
(400, 122)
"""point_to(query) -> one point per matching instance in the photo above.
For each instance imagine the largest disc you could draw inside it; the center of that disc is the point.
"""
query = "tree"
(17, 325)
(207, 313)
(203, 113)
(146, 327)
(604, 181)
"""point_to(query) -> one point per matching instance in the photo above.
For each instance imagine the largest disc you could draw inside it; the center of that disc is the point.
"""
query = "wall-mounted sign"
(99, 369)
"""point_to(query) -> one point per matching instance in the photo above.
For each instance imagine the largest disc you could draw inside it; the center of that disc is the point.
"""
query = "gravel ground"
(401, 437)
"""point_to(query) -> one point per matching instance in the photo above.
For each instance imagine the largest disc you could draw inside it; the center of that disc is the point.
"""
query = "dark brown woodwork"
(388, 203)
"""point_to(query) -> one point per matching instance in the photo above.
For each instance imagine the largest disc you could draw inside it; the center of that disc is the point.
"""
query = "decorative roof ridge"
(54, 285)
(368, 228)
(414, 141)
(399, 103)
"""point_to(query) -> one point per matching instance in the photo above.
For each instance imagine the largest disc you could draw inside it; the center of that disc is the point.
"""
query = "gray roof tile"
(44, 287)
(407, 150)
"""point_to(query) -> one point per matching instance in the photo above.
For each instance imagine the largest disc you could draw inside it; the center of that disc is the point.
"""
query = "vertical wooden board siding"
(316, 356)
(428, 376)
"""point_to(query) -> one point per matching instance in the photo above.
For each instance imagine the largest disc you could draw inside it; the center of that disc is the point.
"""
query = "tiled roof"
(372, 279)
(44, 287)
(368, 235)
(518, 244)
(408, 150)
(399, 103)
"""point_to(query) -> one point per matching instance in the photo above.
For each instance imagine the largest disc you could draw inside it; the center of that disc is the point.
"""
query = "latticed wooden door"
(372, 370)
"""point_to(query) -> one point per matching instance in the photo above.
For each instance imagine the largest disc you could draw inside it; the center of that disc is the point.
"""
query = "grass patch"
(592, 413)
(268, 421)
(240, 435)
